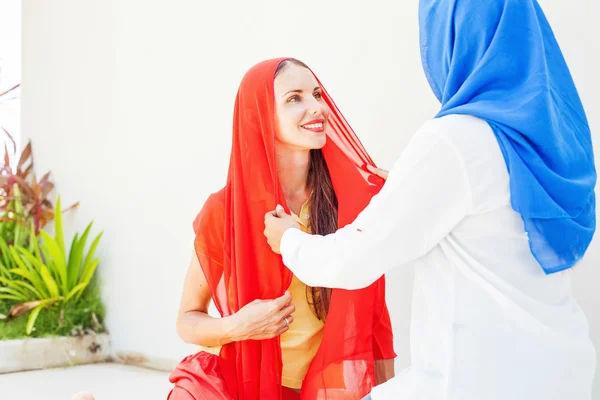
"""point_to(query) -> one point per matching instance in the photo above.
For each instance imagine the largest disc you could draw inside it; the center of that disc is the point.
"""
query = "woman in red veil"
(276, 338)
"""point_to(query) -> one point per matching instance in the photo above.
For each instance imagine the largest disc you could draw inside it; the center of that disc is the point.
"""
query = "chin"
(319, 142)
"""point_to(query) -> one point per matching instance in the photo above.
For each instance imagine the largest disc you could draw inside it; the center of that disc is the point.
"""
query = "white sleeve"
(426, 195)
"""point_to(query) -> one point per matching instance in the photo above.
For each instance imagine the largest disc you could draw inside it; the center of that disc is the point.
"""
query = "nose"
(316, 108)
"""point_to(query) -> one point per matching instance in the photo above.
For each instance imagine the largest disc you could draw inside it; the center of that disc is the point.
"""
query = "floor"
(104, 381)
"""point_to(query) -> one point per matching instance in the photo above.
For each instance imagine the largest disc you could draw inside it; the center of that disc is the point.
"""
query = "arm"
(426, 196)
(384, 371)
(261, 319)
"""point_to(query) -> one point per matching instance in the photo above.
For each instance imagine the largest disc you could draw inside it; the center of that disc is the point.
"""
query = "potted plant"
(51, 313)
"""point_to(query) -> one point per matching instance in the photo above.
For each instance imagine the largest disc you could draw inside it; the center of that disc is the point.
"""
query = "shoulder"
(212, 213)
(467, 134)
(475, 143)
(471, 138)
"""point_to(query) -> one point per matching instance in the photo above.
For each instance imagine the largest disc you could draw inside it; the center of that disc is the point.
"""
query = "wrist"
(233, 328)
(287, 234)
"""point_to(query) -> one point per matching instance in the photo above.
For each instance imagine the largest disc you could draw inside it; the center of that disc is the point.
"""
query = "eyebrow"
(300, 90)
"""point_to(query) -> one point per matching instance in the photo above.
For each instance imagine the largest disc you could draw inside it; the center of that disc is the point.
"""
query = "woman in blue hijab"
(492, 203)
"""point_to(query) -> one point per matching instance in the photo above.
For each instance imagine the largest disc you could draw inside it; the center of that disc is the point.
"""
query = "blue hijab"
(499, 60)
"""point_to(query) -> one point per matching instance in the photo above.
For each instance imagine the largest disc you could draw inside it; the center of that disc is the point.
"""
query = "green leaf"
(20, 250)
(49, 262)
(55, 259)
(9, 297)
(4, 271)
(76, 257)
(35, 294)
(35, 244)
(31, 259)
(49, 281)
(77, 290)
(32, 239)
(39, 267)
(32, 318)
(5, 252)
(58, 228)
(34, 278)
(89, 270)
(70, 262)
(36, 311)
(91, 251)
(23, 287)
(20, 296)
(18, 259)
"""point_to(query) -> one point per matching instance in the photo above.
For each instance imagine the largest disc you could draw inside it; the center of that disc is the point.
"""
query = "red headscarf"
(240, 266)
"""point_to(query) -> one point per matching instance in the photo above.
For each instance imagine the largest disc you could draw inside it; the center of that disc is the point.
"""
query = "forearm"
(402, 223)
(384, 371)
(199, 328)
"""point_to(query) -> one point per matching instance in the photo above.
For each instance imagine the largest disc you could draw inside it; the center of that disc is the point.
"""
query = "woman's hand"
(382, 173)
(263, 319)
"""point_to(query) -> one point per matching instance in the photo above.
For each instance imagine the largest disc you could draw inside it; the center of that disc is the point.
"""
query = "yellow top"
(300, 343)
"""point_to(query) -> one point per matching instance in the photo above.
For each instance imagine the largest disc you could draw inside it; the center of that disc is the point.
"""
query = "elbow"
(183, 329)
(180, 328)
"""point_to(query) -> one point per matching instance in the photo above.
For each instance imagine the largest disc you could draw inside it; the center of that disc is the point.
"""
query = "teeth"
(314, 126)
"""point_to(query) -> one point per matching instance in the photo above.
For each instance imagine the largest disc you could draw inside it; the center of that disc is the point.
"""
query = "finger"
(279, 211)
(286, 311)
(374, 170)
(282, 301)
(382, 173)
(269, 215)
(281, 330)
(283, 325)
(290, 319)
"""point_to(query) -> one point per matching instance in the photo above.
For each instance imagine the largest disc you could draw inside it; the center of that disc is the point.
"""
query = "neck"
(292, 169)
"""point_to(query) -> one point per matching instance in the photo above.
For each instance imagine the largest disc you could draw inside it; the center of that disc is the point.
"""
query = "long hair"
(323, 210)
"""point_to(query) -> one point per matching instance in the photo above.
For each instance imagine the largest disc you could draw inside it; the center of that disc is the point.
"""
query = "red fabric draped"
(240, 266)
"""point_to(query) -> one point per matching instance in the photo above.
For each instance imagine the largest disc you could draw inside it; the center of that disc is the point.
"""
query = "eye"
(318, 95)
(294, 99)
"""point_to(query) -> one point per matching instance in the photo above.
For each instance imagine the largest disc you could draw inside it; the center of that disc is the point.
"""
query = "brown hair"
(323, 209)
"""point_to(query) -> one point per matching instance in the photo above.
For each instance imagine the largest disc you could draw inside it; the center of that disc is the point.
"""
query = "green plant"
(75, 317)
(44, 273)
(24, 202)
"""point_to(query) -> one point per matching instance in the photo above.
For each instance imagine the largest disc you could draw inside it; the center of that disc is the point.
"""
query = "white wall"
(10, 69)
(130, 102)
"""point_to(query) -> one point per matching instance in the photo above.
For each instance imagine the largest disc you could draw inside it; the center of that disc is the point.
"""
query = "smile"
(315, 126)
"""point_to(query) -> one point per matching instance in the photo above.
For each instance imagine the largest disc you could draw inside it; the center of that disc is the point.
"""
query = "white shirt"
(487, 323)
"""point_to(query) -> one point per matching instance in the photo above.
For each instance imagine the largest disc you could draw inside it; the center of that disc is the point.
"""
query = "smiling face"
(301, 112)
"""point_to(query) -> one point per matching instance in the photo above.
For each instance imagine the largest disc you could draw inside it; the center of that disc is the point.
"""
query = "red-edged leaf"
(27, 171)
(37, 190)
(46, 189)
(6, 157)
(25, 156)
(70, 208)
(10, 90)
(45, 179)
(23, 185)
(12, 140)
